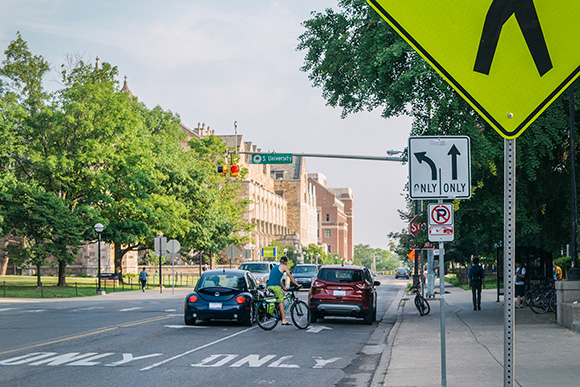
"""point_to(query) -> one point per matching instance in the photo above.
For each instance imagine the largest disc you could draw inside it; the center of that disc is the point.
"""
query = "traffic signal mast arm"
(331, 156)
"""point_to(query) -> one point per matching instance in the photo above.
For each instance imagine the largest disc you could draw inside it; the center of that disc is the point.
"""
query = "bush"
(565, 263)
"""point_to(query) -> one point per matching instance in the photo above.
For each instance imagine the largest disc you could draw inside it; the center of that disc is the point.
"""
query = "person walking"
(143, 278)
(520, 282)
(476, 280)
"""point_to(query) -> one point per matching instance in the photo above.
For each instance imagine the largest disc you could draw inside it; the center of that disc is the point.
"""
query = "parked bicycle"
(542, 298)
(420, 302)
(268, 313)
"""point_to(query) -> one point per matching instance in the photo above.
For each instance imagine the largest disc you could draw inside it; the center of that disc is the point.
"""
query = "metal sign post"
(173, 246)
(509, 250)
(442, 323)
(160, 244)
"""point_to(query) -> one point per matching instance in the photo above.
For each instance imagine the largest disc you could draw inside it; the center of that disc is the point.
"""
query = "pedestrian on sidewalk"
(143, 278)
(557, 271)
(476, 280)
(520, 282)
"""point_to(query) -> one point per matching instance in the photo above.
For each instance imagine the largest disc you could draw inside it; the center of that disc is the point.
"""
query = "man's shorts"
(277, 290)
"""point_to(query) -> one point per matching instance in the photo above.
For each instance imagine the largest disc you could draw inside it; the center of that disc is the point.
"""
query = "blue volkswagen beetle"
(224, 294)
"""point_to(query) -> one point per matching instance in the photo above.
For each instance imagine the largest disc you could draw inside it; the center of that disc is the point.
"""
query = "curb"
(394, 311)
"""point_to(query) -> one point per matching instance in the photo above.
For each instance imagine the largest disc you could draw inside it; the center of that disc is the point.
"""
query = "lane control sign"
(439, 167)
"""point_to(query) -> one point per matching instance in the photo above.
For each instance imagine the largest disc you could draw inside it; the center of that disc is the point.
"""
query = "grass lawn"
(490, 282)
(14, 286)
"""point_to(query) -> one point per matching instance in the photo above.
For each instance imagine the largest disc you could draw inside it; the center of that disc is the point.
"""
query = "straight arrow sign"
(454, 152)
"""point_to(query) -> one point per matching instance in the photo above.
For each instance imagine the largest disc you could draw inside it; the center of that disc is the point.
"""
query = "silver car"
(260, 270)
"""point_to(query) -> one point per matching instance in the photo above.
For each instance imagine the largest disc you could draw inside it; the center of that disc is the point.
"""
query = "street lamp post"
(99, 229)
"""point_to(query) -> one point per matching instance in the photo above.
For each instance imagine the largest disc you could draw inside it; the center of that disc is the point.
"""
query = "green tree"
(46, 225)
(384, 260)
(361, 63)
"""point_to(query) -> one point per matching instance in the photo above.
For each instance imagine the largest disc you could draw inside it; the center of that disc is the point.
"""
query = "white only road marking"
(5, 309)
(170, 310)
(130, 309)
(90, 308)
(316, 329)
(34, 311)
(196, 349)
(252, 361)
(71, 359)
(185, 327)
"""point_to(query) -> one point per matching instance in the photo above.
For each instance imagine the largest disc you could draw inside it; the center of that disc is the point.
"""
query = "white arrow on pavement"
(316, 329)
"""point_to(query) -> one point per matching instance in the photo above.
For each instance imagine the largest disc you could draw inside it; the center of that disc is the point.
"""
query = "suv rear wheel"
(313, 316)
(369, 317)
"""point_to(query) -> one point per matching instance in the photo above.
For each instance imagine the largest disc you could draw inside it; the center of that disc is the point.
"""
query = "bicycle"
(543, 297)
(420, 302)
(268, 312)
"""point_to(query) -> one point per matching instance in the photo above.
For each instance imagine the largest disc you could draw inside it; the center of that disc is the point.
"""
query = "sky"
(220, 61)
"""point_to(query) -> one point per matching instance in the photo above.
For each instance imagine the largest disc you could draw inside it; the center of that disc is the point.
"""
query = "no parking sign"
(441, 222)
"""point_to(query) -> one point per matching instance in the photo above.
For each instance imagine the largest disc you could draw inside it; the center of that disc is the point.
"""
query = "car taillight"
(240, 299)
(192, 298)
(317, 284)
(363, 285)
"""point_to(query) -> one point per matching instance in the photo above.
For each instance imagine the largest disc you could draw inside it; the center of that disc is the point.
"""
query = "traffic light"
(234, 170)
(223, 169)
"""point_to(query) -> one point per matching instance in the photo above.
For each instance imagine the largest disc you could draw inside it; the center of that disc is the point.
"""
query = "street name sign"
(271, 158)
(439, 167)
(509, 59)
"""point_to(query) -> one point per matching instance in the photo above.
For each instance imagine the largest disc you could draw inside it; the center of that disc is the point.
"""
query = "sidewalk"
(546, 354)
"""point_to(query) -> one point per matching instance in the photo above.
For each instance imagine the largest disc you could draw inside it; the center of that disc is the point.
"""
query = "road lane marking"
(130, 309)
(5, 309)
(101, 330)
(185, 327)
(196, 349)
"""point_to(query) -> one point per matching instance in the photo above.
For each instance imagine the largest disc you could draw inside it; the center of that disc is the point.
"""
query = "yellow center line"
(100, 330)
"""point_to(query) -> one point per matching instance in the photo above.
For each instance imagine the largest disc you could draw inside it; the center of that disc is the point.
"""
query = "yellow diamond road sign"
(508, 58)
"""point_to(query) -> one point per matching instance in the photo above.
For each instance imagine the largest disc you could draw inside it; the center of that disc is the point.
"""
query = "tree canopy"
(361, 63)
(89, 153)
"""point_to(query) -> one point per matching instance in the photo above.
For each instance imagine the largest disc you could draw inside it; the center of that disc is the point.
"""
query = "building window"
(327, 233)
(328, 249)
(279, 174)
(328, 217)
(280, 193)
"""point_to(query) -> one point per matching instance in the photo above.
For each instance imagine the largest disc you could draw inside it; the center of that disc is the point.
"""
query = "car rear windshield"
(221, 280)
(255, 267)
(340, 275)
(305, 269)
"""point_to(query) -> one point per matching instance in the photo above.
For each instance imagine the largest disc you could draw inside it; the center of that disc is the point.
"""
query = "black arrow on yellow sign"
(499, 13)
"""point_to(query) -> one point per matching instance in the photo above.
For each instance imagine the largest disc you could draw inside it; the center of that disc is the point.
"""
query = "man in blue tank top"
(274, 285)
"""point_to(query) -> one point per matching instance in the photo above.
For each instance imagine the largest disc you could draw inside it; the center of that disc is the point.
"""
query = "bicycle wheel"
(422, 305)
(552, 303)
(539, 304)
(425, 306)
(300, 314)
(266, 320)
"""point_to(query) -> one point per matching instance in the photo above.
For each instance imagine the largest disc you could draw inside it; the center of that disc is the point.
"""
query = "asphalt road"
(139, 339)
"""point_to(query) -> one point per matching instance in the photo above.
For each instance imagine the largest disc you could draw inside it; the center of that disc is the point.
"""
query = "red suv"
(343, 291)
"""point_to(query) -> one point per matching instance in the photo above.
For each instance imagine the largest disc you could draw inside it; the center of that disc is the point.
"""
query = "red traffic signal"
(234, 170)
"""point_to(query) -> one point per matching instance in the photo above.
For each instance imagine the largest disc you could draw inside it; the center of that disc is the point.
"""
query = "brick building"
(335, 217)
